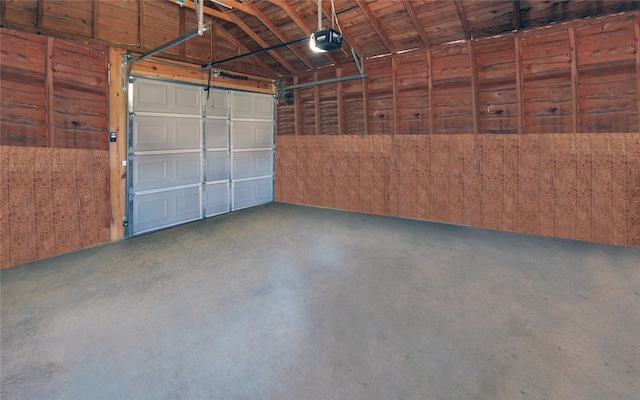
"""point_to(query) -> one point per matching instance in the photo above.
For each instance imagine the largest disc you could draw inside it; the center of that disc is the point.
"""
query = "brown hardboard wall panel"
(22, 216)
(328, 186)
(547, 185)
(602, 194)
(302, 170)
(472, 179)
(314, 171)
(5, 242)
(393, 177)
(456, 179)
(510, 188)
(584, 187)
(423, 209)
(353, 174)
(44, 208)
(566, 186)
(632, 142)
(619, 189)
(88, 216)
(366, 194)
(341, 172)
(492, 181)
(440, 167)
(101, 193)
(529, 184)
(407, 176)
(65, 200)
(382, 149)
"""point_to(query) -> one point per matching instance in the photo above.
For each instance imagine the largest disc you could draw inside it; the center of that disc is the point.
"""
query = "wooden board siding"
(539, 184)
(54, 161)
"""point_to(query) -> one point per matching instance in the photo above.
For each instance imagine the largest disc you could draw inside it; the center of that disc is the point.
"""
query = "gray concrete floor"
(290, 302)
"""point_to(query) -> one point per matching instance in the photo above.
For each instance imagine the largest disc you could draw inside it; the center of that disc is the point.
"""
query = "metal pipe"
(316, 83)
(128, 60)
(277, 46)
(172, 43)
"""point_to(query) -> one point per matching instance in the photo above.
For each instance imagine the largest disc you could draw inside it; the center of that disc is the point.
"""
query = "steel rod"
(316, 83)
(172, 43)
(277, 46)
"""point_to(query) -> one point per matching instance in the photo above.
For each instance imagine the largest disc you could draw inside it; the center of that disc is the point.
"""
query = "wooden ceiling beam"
(517, 19)
(206, 10)
(236, 5)
(416, 22)
(236, 20)
(463, 19)
(376, 26)
(243, 49)
(280, 35)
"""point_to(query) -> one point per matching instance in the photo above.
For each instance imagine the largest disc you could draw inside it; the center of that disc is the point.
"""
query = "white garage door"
(191, 157)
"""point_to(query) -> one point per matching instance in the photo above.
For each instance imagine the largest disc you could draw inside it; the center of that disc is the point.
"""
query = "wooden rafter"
(213, 13)
(416, 22)
(280, 35)
(236, 20)
(244, 49)
(236, 5)
(517, 20)
(376, 26)
(463, 19)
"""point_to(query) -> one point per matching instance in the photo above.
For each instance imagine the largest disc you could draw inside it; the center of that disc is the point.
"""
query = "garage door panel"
(216, 198)
(252, 192)
(217, 135)
(167, 208)
(251, 105)
(251, 164)
(217, 165)
(251, 135)
(217, 103)
(155, 171)
(153, 133)
(166, 97)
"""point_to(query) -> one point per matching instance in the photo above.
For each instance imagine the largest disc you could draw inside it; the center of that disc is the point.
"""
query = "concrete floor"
(290, 302)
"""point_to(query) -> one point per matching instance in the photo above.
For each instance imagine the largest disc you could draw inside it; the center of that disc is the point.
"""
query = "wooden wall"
(134, 25)
(53, 147)
(535, 132)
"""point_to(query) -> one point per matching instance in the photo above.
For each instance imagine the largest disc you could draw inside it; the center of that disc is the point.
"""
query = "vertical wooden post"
(118, 149)
(519, 85)
(296, 108)
(39, 13)
(474, 89)
(95, 22)
(365, 106)
(636, 33)
(339, 102)
(431, 102)
(48, 92)
(316, 101)
(394, 77)
(575, 100)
